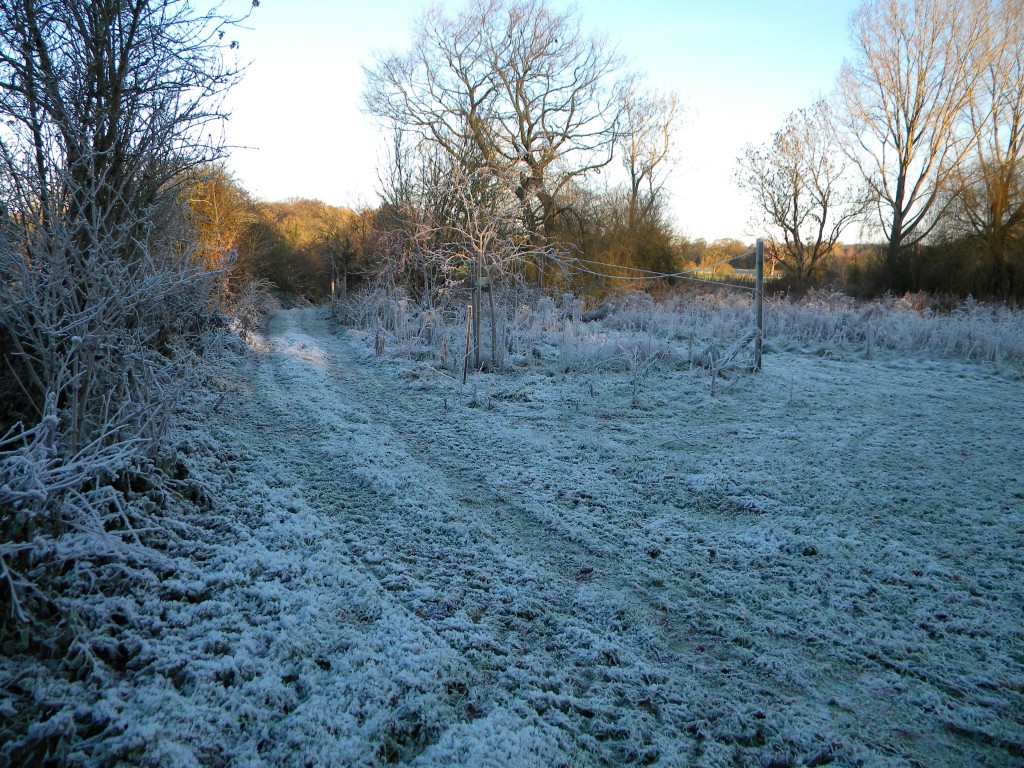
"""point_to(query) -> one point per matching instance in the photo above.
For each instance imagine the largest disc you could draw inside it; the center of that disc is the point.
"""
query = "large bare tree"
(988, 196)
(801, 185)
(513, 85)
(647, 127)
(904, 94)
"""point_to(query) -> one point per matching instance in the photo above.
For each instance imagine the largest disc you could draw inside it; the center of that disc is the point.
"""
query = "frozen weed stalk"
(641, 360)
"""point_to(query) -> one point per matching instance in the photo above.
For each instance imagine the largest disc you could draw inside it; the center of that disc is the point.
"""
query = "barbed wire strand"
(651, 275)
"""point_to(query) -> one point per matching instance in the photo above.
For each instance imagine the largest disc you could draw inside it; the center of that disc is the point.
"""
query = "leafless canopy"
(800, 184)
(647, 125)
(512, 85)
(988, 189)
(904, 94)
(106, 102)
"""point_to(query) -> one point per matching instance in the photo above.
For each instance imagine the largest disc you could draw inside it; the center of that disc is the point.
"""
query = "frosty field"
(822, 564)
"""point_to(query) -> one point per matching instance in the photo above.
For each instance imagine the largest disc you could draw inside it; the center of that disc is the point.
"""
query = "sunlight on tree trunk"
(988, 192)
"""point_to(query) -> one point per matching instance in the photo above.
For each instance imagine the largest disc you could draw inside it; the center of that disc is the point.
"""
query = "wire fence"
(591, 267)
(755, 336)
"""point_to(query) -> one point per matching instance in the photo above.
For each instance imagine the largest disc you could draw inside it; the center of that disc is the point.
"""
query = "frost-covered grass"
(675, 330)
(579, 558)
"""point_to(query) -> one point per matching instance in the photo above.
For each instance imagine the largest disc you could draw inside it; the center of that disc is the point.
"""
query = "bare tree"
(417, 203)
(222, 213)
(109, 102)
(648, 121)
(512, 85)
(486, 232)
(800, 185)
(904, 94)
(988, 196)
(454, 225)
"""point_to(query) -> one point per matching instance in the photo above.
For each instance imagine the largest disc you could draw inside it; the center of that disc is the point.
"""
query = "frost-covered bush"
(103, 311)
(96, 350)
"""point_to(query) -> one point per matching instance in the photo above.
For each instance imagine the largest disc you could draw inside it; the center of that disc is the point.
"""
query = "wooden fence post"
(469, 335)
(759, 301)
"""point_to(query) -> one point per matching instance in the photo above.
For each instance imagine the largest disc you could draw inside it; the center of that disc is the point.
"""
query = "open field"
(586, 559)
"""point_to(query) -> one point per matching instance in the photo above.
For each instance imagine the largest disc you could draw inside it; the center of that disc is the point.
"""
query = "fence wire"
(646, 274)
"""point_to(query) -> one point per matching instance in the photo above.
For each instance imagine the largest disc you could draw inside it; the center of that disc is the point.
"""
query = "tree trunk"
(476, 312)
(895, 247)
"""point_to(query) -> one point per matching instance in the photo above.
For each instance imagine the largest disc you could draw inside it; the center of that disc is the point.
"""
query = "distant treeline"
(303, 247)
(524, 152)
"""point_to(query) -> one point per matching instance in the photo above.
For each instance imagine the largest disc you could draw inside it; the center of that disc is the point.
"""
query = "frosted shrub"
(572, 307)
(250, 305)
(104, 314)
(363, 308)
(98, 351)
(973, 330)
(518, 336)
(545, 314)
(634, 311)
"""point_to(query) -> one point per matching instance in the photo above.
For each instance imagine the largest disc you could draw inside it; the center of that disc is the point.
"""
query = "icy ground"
(822, 565)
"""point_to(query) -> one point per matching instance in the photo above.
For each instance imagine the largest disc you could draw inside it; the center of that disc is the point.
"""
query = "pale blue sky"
(739, 66)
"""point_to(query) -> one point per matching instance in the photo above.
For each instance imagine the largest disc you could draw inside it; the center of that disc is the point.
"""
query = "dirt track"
(823, 565)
